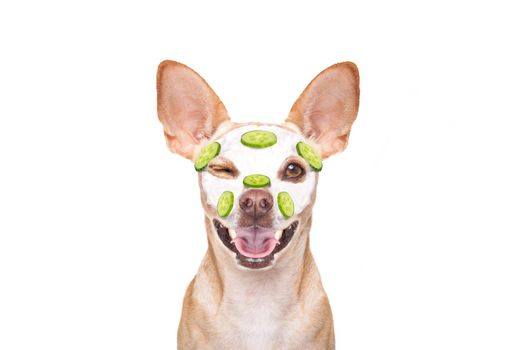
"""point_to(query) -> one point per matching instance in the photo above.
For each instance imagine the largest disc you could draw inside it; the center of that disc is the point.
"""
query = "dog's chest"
(265, 316)
(261, 324)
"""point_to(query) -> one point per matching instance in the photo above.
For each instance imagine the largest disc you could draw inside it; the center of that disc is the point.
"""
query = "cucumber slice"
(225, 204)
(310, 156)
(207, 154)
(258, 139)
(256, 181)
(285, 203)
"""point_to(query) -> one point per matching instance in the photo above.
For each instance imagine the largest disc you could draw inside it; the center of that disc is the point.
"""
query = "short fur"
(283, 306)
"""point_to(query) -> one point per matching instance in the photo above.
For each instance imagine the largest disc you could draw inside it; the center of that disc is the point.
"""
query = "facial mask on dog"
(257, 181)
(257, 188)
(261, 154)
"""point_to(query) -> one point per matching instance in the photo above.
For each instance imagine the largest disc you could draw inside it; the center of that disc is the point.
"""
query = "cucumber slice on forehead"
(207, 154)
(225, 204)
(285, 203)
(308, 153)
(256, 181)
(258, 139)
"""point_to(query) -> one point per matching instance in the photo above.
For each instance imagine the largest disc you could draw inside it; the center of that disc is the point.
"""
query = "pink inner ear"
(324, 123)
(188, 108)
(327, 108)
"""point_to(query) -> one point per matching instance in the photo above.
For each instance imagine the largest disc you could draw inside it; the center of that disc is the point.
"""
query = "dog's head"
(257, 181)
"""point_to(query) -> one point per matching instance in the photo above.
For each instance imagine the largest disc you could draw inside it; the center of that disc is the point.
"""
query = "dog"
(258, 286)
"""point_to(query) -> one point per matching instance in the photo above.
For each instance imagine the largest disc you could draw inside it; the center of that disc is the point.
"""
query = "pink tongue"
(255, 242)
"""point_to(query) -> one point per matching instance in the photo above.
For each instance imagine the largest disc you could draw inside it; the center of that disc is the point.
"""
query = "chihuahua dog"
(258, 286)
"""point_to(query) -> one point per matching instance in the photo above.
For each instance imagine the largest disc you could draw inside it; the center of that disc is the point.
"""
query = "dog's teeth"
(278, 234)
(233, 234)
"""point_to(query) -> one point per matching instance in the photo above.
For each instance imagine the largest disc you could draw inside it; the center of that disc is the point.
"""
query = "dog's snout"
(256, 202)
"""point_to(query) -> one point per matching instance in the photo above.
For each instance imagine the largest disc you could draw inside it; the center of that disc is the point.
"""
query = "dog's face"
(263, 217)
(257, 181)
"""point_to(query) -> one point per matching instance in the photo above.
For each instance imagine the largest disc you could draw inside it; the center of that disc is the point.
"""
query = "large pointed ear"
(327, 108)
(187, 107)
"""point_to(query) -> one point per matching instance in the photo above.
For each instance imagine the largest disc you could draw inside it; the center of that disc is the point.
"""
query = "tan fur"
(188, 108)
(327, 108)
(283, 306)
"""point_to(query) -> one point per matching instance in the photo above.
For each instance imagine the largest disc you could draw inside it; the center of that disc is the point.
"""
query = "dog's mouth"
(255, 247)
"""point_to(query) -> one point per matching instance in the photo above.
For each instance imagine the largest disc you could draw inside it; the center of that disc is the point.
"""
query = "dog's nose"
(256, 202)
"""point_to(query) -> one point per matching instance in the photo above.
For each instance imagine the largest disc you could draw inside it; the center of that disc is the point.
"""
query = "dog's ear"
(187, 107)
(327, 108)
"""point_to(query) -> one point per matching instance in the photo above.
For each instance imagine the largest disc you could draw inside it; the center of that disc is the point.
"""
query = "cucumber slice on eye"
(308, 153)
(285, 203)
(225, 204)
(256, 181)
(258, 139)
(207, 154)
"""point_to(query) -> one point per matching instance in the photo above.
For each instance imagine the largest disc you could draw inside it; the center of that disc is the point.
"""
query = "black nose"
(256, 202)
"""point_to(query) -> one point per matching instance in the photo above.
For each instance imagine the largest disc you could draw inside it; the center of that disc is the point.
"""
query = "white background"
(419, 225)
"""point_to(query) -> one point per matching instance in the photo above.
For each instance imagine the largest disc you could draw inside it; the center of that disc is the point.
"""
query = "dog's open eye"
(223, 170)
(293, 172)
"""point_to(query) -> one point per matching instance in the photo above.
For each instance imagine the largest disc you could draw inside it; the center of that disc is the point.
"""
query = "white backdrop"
(419, 225)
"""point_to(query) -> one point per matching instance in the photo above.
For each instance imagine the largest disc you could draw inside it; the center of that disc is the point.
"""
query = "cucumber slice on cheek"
(256, 181)
(207, 154)
(308, 153)
(258, 139)
(225, 204)
(285, 203)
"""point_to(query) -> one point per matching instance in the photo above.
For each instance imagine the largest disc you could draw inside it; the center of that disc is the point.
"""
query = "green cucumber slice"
(207, 154)
(258, 139)
(256, 181)
(310, 156)
(285, 203)
(225, 204)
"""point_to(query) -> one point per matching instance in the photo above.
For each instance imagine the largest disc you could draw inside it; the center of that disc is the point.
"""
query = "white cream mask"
(264, 161)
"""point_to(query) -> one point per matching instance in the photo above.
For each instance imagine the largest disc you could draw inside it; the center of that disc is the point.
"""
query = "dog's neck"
(285, 282)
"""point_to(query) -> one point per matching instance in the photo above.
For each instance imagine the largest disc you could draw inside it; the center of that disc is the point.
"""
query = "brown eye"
(293, 171)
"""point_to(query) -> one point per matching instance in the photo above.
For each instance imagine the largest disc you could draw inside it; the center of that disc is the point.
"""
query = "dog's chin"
(259, 262)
